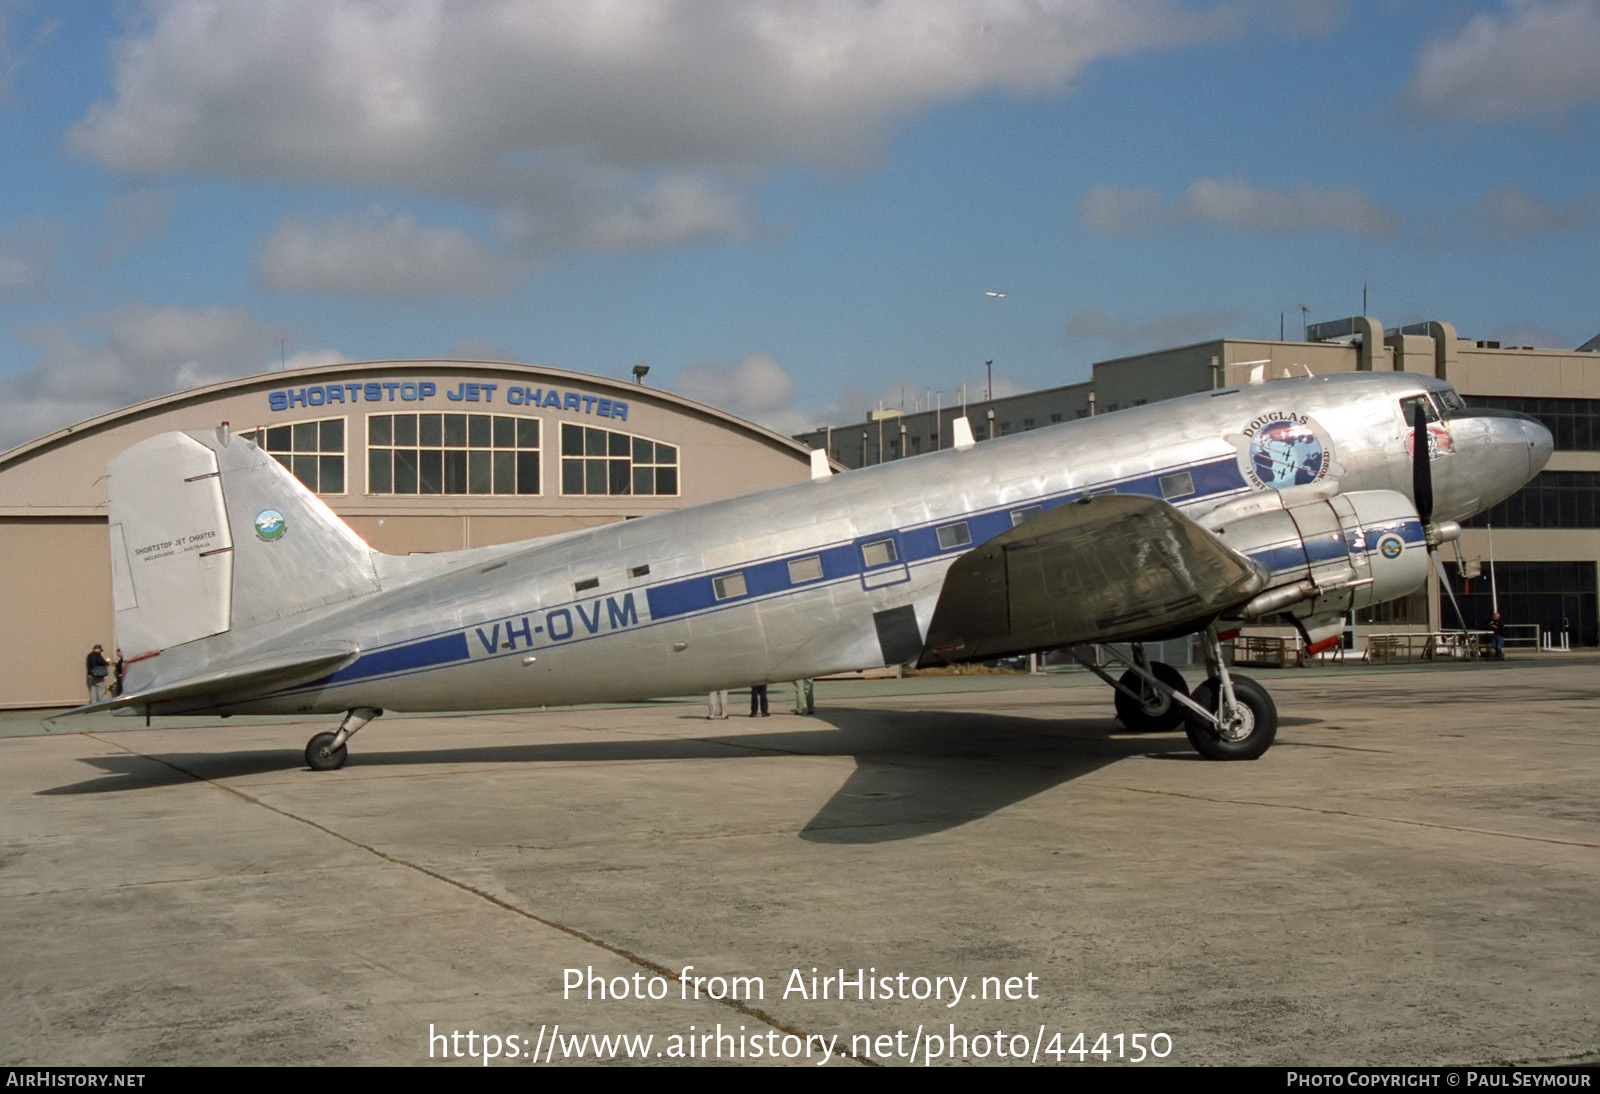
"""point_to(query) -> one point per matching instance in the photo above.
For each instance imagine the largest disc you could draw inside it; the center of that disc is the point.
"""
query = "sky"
(793, 211)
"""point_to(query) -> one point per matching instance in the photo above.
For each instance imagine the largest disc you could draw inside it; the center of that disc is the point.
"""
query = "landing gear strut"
(327, 751)
(1144, 707)
(1239, 719)
(1228, 717)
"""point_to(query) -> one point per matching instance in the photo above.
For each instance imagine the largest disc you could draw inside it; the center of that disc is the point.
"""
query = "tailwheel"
(323, 755)
(1245, 735)
(326, 751)
(1157, 711)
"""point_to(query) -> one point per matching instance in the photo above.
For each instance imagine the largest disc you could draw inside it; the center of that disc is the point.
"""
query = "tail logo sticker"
(270, 524)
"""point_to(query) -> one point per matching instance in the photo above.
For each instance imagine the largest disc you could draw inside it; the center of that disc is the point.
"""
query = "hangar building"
(414, 455)
(1544, 542)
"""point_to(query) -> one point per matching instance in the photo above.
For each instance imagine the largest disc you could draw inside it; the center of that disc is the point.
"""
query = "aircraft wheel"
(1158, 713)
(320, 756)
(1251, 736)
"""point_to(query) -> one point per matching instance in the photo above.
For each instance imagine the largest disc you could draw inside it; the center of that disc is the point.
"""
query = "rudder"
(210, 534)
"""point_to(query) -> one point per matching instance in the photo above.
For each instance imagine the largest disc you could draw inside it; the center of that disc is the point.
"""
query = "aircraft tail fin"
(210, 534)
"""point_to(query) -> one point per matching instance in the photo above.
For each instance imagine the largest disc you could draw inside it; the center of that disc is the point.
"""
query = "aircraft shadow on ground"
(916, 773)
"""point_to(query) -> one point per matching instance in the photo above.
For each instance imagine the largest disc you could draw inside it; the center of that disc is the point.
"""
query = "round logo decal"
(270, 524)
(1281, 449)
(1390, 546)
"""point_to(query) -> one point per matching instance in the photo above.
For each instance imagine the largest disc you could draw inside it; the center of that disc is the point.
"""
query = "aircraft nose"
(1540, 445)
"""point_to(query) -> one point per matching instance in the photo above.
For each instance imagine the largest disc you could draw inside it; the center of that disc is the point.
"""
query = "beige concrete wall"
(55, 585)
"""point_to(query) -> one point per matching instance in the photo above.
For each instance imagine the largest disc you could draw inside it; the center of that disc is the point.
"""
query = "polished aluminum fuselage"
(794, 582)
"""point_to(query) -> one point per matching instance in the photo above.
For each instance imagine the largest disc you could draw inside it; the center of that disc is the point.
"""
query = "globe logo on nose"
(1286, 454)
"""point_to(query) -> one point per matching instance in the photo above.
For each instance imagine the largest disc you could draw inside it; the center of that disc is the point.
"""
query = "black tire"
(1160, 715)
(321, 757)
(1259, 712)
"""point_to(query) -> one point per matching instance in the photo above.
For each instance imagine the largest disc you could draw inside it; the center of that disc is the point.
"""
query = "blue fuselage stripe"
(428, 653)
(771, 576)
(913, 545)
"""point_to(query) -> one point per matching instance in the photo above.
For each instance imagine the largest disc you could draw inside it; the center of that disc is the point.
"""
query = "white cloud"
(755, 387)
(12, 56)
(611, 123)
(1510, 211)
(1535, 59)
(132, 353)
(478, 349)
(380, 255)
(25, 252)
(1235, 204)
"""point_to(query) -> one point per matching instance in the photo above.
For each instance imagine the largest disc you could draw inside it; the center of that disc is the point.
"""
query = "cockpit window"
(1450, 399)
(1409, 405)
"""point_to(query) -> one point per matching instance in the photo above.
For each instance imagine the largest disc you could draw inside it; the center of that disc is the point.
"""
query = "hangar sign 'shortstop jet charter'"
(237, 591)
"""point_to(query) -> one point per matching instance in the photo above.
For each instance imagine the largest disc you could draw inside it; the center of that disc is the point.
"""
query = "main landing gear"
(1228, 717)
(327, 751)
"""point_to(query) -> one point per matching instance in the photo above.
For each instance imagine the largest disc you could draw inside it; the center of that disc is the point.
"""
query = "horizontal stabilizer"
(1107, 568)
(244, 678)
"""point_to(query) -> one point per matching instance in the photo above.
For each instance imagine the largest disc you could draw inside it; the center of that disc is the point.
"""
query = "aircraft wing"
(1106, 568)
(248, 676)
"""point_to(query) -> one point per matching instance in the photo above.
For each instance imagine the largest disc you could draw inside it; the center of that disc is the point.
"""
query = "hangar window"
(312, 451)
(952, 536)
(452, 454)
(603, 462)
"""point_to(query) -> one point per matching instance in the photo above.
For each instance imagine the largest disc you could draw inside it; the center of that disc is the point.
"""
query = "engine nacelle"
(1328, 555)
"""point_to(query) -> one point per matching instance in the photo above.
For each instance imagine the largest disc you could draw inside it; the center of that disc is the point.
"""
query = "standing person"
(716, 705)
(758, 697)
(97, 669)
(1497, 637)
(805, 696)
(116, 674)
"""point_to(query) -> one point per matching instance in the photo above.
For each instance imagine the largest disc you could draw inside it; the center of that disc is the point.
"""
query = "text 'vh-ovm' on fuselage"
(1298, 498)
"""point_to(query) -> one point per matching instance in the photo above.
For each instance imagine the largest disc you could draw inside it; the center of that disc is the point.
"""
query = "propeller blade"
(1421, 470)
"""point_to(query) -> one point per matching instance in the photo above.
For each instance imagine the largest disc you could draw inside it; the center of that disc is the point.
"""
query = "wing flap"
(1103, 569)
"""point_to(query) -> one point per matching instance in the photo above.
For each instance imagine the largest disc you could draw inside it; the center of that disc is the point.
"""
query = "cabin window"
(952, 536)
(1177, 485)
(606, 463)
(639, 571)
(586, 584)
(452, 454)
(729, 585)
(805, 569)
(880, 552)
(1020, 515)
(313, 452)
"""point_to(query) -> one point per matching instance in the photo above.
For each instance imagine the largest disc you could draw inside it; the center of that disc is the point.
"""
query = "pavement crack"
(473, 890)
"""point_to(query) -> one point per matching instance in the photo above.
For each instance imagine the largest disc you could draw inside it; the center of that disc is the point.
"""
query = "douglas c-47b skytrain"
(237, 591)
